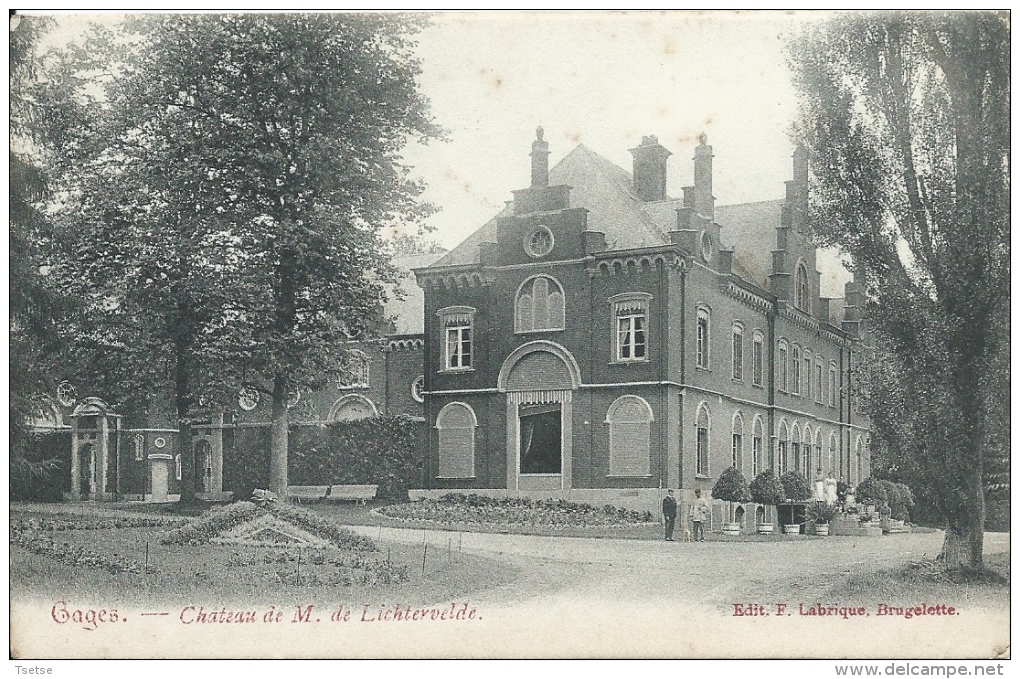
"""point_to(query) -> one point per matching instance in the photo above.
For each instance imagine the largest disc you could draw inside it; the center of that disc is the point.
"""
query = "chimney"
(650, 169)
(539, 160)
(704, 201)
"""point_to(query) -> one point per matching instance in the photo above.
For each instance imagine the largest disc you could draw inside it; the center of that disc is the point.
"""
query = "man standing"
(699, 514)
(669, 513)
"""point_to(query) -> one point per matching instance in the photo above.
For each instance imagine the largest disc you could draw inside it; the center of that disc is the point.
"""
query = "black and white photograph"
(511, 335)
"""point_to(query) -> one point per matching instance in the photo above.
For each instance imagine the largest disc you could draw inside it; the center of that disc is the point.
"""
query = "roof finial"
(539, 133)
(703, 139)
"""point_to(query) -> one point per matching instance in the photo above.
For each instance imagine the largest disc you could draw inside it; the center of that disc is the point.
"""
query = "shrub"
(731, 487)
(795, 486)
(766, 489)
(201, 529)
(44, 470)
(480, 509)
(340, 536)
(872, 491)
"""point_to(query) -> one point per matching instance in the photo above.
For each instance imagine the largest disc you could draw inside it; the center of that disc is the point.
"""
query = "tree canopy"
(906, 117)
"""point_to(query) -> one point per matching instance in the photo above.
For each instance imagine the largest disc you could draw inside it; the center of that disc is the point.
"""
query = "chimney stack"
(650, 169)
(539, 160)
(704, 201)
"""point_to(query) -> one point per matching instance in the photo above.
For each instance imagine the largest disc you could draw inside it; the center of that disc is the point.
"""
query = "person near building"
(699, 515)
(669, 513)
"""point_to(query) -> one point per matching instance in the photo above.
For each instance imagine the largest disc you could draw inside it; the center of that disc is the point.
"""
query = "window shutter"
(629, 453)
(456, 452)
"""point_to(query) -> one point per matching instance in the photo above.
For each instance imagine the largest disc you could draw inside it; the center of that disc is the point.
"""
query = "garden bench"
(356, 493)
(300, 493)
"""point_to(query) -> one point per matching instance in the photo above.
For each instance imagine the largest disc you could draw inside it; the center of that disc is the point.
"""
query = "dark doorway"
(86, 470)
(541, 439)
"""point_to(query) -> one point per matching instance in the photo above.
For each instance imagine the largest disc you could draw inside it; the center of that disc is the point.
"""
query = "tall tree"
(907, 119)
(278, 139)
(32, 298)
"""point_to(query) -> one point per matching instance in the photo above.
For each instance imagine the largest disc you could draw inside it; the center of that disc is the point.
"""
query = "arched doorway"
(87, 471)
(203, 466)
(539, 379)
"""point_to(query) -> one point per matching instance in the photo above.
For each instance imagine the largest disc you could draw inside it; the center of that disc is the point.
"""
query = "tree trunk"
(278, 439)
(955, 554)
(182, 398)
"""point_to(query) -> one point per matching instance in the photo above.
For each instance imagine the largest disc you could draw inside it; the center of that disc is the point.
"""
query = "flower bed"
(201, 529)
(319, 566)
(62, 522)
(38, 542)
(477, 509)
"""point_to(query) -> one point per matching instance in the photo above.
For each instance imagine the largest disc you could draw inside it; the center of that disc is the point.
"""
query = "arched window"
(807, 373)
(805, 453)
(630, 423)
(784, 445)
(352, 407)
(795, 453)
(782, 366)
(355, 373)
(819, 380)
(737, 442)
(139, 447)
(795, 366)
(832, 384)
(539, 305)
(178, 467)
(702, 427)
(802, 292)
(456, 424)
(758, 358)
(757, 448)
(833, 444)
(859, 460)
(738, 351)
(819, 461)
(704, 333)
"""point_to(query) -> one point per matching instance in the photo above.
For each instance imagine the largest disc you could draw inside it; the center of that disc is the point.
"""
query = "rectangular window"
(630, 337)
(795, 366)
(819, 384)
(756, 456)
(758, 361)
(702, 461)
(738, 353)
(738, 452)
(703, 339)
(798, 463)
(782, 457)
(458, 346)
(832, 386)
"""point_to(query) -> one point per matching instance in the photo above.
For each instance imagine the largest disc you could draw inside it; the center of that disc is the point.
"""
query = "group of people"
(698, 515)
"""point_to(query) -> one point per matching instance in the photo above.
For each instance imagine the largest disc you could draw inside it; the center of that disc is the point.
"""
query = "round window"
(159, 442)
(706, 246)
(248, 398)
(539, 242)
(66, 394)
(418, 389)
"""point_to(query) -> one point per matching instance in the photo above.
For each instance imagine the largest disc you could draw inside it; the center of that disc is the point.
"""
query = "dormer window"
(539, 305)
(802, 292)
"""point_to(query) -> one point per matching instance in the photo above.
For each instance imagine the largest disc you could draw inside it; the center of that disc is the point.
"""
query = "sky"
(604, 79)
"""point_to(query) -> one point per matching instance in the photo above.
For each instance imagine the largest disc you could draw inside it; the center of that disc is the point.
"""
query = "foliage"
(69, 521)
(766, 489)
(872, 491)
(906, 117)
(36, 536)
(43, 469)
(795, 486)
(821, 512)
(385, 451)
(414, 244)
(481, 509)
(731, 486)
(201, 529)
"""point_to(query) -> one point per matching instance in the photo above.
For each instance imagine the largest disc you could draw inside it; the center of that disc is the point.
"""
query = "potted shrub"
(731, 487)
(821, 514)
(766, 490)
(795, 489)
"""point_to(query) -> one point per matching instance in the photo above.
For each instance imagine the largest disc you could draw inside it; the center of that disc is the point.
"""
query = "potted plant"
(795, 489)
(731, 487)
(766, 490)
(821, 514)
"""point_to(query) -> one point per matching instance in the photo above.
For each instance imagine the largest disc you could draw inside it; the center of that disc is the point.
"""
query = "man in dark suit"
(669, 513)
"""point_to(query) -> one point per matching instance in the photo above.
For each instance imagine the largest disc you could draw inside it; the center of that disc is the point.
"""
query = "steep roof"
(605, 189)
(407, 313)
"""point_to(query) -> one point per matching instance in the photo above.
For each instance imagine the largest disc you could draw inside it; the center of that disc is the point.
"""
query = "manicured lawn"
(224, 574)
